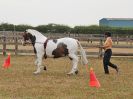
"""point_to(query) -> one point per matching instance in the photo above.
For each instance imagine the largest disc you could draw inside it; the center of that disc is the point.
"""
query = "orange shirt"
(108, 43)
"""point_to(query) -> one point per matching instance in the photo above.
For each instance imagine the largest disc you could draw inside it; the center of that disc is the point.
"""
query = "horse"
(54, 48)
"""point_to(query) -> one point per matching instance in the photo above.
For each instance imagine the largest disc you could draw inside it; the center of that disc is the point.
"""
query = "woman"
(107, 54)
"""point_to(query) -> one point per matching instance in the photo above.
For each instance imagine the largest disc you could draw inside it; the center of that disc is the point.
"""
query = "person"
(108, 53)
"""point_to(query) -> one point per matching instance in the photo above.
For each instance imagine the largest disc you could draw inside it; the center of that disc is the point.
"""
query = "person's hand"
(102, 47)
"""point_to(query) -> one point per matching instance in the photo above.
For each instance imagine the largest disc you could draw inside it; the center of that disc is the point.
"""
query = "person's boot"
(117, 70)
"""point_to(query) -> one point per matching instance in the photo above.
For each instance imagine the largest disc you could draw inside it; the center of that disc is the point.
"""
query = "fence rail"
(9, 39)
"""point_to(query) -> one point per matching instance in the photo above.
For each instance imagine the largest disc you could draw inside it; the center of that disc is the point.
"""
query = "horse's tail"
(83, 54)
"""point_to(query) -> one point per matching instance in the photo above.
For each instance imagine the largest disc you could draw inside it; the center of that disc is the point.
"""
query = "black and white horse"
(55, 48)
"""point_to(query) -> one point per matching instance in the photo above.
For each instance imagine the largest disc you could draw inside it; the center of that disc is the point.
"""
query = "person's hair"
(108, 34)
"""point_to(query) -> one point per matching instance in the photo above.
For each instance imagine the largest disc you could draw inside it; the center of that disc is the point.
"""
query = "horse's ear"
(23, 33)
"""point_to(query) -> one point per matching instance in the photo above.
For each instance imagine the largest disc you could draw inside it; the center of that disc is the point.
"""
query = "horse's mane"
(34, 32)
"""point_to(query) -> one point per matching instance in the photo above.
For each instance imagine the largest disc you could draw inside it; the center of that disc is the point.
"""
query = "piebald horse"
(54, 48)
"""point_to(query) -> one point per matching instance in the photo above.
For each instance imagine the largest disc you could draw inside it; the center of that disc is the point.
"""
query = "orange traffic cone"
(7, 62)
(93, 80)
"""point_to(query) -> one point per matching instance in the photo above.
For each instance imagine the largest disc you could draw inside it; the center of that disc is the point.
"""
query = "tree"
(6, 27)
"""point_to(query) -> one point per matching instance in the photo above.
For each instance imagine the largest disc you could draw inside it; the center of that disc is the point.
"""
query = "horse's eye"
(24, 35)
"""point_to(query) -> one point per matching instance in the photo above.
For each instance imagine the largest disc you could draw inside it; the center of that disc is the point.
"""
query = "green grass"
(19, 82)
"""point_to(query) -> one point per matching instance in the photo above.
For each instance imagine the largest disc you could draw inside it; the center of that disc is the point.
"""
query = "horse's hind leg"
(74, 59)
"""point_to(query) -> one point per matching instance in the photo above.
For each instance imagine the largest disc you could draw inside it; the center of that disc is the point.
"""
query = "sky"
(66, 12)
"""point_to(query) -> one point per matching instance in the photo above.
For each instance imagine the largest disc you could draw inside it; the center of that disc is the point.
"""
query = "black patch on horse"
(55, 40)
(60, 51)
(70, 58)
(45, 45)
(34, 50)
(33, 40)
(45, 56)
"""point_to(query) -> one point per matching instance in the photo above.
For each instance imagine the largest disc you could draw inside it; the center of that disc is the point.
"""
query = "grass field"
(19, 82)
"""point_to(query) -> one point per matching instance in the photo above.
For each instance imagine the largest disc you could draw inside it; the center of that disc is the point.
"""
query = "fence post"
(16, 44)
(91, 38)
(4, 45)
(131, 39)
(100, 49)
(117, 39)
(127, 39)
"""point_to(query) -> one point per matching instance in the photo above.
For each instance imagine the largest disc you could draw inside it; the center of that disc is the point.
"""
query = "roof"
(119, 19)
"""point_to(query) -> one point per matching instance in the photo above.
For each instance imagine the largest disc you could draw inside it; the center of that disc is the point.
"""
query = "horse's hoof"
(44, 68)
(70, 73)
(73, 73)
(76, 72)
(35, 73)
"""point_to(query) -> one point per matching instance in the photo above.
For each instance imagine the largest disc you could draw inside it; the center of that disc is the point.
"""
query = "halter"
(45, 43)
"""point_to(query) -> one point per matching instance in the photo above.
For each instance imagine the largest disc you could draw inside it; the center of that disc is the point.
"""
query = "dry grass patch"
(19, 82)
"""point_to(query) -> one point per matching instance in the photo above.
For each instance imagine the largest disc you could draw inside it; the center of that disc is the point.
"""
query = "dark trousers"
(106, 61)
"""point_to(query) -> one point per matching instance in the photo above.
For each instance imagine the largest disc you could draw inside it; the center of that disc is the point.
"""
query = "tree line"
(58, 28)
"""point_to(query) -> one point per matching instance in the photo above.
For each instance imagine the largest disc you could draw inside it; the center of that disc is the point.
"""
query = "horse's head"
(33, 36)
(27, 38)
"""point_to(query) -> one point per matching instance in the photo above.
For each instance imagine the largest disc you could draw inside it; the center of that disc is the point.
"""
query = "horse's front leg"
(74, 59)
(39, 64)
(36, 61)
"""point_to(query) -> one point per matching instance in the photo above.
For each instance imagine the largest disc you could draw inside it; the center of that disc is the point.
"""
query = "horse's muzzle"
(23, 42)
